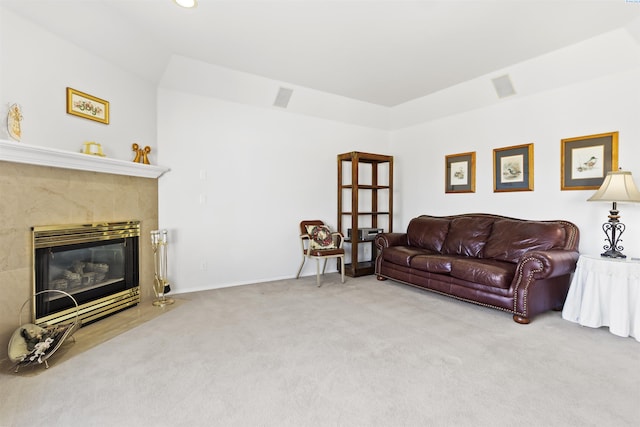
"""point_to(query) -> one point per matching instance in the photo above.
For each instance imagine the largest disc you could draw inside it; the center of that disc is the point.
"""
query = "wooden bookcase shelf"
(365, 200)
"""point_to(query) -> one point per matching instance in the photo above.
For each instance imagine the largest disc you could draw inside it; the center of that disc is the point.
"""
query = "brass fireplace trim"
(59, 235)
(95, 309)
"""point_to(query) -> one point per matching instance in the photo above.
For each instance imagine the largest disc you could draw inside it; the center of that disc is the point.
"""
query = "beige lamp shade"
(618, 186)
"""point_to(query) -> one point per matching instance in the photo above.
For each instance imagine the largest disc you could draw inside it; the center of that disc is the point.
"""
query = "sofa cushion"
(467, 236)
(434, 263)
(488, 272)
(402, 255)
(510, 239)
(427, 232)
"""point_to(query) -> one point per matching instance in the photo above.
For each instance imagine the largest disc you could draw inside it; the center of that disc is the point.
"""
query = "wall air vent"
(503, 86)
(283, 97)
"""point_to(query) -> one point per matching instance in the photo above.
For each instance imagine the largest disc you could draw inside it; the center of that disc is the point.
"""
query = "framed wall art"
(87, 106)
(460, 173)
(513, 168)
(587, 159)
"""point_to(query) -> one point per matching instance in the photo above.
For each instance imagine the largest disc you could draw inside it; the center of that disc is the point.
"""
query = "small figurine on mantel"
(93, 148)
(142, 154)
(14, 118)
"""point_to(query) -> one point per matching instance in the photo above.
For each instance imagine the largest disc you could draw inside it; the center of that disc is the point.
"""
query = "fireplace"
(95, 263)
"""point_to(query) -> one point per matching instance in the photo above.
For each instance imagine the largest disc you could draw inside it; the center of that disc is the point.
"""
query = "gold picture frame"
(460, 173)
(87, 106)
(586, 160)
(513, 168)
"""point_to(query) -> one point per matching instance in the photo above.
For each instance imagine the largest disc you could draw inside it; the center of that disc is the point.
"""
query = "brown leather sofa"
(519, 266)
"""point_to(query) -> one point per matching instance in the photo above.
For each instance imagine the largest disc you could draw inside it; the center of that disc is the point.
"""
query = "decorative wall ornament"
(513, 168)
(460, 173)
(93, 148)
(586, 160)
(86, 106)
(14, 120)
(142, 154)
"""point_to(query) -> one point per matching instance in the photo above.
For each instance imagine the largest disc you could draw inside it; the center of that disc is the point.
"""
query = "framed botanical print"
(586, 160)
(513, 168)
(460, 173)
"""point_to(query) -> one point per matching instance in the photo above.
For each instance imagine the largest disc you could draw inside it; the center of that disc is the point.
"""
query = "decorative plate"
(14, 117)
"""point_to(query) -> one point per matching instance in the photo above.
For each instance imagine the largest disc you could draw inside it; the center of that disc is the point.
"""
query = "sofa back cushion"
(510, 239)
(427, 232)
(467, 236)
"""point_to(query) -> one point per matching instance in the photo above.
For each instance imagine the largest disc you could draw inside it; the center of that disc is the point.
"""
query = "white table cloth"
(605, 292)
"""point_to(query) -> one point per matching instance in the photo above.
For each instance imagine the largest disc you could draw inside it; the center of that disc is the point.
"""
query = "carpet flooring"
(363, 353)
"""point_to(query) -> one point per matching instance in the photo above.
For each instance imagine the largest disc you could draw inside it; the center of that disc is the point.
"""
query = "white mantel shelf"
(19, 152)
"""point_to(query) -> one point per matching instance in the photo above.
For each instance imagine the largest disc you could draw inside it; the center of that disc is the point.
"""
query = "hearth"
(95, 263)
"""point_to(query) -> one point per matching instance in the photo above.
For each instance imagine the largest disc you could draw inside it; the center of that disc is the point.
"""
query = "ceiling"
(381, 52)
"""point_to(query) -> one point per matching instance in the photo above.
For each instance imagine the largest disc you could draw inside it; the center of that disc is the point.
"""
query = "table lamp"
(618, 186)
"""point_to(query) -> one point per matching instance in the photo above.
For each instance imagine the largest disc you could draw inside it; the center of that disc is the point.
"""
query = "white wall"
(36, 67)
(244, 173)
(242, 178)
(602, 105)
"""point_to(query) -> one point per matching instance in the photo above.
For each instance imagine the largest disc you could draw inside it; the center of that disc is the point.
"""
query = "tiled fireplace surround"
(42, 195)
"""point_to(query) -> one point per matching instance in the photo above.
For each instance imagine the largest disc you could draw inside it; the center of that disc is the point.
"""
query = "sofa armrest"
(539, 279)
(546, 264)
(385, 240)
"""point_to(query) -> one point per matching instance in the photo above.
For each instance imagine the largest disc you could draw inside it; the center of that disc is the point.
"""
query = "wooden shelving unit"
(365, 200)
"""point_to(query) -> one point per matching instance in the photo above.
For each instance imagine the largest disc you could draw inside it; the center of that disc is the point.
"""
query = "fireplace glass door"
(92, 269)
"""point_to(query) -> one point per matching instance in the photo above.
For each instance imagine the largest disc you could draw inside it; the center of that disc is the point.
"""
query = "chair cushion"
(325, 252)
(320, 237)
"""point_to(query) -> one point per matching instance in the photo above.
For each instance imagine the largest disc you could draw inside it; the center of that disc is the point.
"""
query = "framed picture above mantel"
(586, 160)
(87, 106)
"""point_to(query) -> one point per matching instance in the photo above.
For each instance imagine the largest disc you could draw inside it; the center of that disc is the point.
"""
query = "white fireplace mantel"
(19, 152)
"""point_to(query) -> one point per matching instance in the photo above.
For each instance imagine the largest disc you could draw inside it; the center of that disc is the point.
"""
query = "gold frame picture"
(513, 168)
(586, 160)
(87, 106)
(460, 173)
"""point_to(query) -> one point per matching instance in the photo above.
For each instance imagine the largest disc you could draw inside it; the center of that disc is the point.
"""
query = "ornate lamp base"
(613, 229)
(613, 254)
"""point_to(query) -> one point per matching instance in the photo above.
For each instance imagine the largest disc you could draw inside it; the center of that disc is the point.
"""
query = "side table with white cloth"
(605, 292)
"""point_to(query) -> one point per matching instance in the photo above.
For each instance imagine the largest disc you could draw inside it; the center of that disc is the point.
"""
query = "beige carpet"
(363, 353)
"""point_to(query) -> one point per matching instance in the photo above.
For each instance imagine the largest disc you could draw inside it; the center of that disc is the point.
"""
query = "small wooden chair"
(319, 243)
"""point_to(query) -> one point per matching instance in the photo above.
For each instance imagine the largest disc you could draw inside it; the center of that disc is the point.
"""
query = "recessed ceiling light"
(187, 3)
